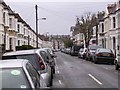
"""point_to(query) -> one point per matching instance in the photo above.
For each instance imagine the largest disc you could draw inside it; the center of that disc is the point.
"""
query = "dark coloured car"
(91, 51)
(67, 50)
(74, 50)
(104, 55)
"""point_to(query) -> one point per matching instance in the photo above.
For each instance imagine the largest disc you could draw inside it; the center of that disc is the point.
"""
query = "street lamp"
(36, 8)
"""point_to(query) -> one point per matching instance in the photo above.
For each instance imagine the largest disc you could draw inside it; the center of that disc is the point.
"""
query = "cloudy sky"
(60, 14)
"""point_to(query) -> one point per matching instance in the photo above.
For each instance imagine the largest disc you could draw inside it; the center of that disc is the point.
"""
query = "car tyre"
(78, 56)
(95, 61)
(112, 63)
(51, 82)
(51, 79)
(116, 67)
(53, 70)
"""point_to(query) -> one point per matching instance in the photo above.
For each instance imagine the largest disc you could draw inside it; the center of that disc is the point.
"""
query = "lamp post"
(36, 8)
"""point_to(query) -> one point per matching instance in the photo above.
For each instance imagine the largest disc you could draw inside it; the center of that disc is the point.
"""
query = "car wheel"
(78, 56)
(51, 82)
(116, 67)
(92, 60)
(89, 59)
(51, 79)
(54, 70)
(115, 62)
(95, 61)
(52, 73)
(83, 56)
(86, 58)
(112, 63)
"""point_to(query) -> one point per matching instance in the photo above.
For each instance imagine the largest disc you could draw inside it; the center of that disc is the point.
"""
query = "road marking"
(95, 79)
(58, 72)
(60, 82)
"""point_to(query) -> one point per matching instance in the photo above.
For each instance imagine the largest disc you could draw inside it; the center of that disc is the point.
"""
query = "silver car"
(82, 53)
(19, 74)
(51, 58)
(36, 59)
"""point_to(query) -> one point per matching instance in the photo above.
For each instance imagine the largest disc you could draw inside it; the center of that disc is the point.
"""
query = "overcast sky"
(60, 14)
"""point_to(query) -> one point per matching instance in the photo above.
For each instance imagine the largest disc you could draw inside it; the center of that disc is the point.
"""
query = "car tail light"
(41, 62)
(42, 66)
(112, 55)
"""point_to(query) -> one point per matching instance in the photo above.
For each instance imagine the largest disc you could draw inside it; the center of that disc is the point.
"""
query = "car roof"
(21, 52)
(43, 49)
(12, 63)
(46, 48)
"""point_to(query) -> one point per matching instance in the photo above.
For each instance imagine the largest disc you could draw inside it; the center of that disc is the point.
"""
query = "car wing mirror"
(47, 61)
(53, 56)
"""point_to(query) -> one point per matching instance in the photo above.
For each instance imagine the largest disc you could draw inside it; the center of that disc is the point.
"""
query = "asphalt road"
(72, 72)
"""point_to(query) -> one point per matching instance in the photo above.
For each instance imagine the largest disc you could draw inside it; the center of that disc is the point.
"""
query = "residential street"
(72, 72)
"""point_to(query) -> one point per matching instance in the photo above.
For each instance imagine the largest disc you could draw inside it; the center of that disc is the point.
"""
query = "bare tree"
(85, 25)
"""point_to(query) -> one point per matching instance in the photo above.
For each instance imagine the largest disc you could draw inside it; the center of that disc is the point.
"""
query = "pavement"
(73, 72)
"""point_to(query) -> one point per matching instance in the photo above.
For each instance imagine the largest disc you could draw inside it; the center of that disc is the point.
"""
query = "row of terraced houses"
(108, 28)
(14, 31)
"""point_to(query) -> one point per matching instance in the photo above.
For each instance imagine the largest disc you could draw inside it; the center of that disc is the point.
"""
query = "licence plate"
(106, 54)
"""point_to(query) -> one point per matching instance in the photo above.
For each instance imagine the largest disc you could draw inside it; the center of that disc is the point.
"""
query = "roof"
(11, 63)
(20, 52)
(111, 8)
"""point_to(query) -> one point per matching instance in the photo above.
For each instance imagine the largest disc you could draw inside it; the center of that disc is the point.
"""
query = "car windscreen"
(76, 48)
(31, 57)
(94, 47)
(105, 50)
(14, 78)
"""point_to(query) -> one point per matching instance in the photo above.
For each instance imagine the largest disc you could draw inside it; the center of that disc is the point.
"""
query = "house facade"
(14, 31)
(77, 36)
(109, 28)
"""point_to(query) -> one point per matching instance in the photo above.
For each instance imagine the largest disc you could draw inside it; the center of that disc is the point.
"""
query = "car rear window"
(105, 50)
(76, 48)
(31, 57)
(14, 78)
(94, 47)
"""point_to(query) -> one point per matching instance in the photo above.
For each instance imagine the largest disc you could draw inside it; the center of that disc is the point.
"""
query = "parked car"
(117, 62)
(50, 58)
(82, 53)
(74, 50)
(19, 74)
(104, 55)
(36, 59)
(67, 51)
(91, 51)
(62, 50)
